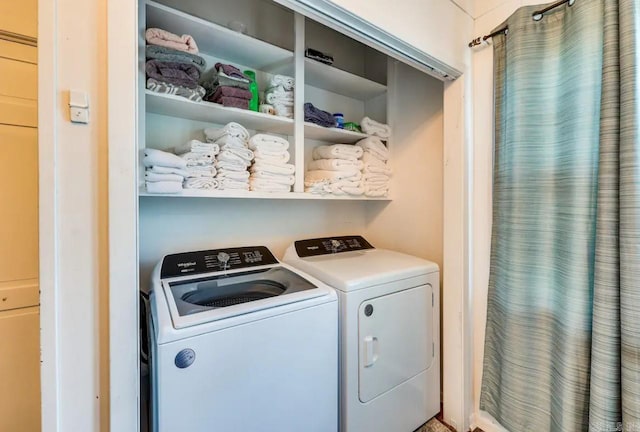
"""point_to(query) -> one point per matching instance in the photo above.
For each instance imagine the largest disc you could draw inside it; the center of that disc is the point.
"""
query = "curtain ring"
(538, 16)
(571, 2)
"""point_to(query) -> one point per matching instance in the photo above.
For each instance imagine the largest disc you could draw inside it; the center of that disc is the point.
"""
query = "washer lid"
(349, 271)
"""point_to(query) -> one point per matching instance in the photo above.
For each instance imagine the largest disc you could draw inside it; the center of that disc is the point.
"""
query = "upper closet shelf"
(332, 135)
(341, 82)
(176, 106)
(216, 40)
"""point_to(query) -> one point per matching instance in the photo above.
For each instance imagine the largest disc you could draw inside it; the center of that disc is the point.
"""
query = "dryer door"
(395, 335)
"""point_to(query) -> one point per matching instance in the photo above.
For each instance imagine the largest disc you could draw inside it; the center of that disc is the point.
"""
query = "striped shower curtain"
(562, 347)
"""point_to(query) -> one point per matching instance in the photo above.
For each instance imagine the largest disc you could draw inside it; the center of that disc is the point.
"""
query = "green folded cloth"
(351, 126)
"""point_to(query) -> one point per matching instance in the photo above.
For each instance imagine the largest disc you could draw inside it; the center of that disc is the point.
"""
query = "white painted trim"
(47, 137)
(122, 16)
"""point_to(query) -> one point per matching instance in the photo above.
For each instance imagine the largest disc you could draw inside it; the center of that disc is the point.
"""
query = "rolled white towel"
(167, 170)
(150, 176)
(201, 183)
(244, 153)
(232, 129)
(375, 146)
(164, 187)
(375, 178)
(153, 157)
(271, 157)
(283, 110)
(332, 176)
(275, 178)
(230, 165)
(335, 164)
(273, 99)
(320, 187)
(337, 151)
(373, 127)
(234, 175)
(228, 156)
(198, 159)
(228, 141)
(195, 146)
(201, 171)
(266, 142)
(345, 187)
(371, 159)
(261, 185)
(233, 184)
(286, 82)
(286, 169)
(368, 191)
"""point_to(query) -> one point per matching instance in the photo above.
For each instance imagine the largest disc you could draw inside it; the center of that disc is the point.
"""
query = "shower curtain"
(562, 346)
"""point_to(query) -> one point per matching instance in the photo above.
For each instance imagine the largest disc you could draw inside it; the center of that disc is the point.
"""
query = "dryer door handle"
(370, 349)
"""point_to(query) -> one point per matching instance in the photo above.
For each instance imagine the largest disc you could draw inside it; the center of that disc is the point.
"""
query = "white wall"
(491, 13)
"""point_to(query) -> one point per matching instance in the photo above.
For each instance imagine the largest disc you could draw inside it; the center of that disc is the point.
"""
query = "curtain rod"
(536, 16)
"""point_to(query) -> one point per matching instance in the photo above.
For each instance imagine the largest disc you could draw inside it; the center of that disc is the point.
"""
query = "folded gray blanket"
(211, 80)
(155, 52)
(167, 88)
(180, 74)
(231, 92)
(230, 70)
(317, 116)
(233, 102)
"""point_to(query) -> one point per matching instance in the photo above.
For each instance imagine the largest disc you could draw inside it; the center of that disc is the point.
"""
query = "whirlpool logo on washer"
(186, 267)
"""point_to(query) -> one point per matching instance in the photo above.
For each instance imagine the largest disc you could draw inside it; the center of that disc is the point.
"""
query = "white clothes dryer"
(241, 342)
(389, 331)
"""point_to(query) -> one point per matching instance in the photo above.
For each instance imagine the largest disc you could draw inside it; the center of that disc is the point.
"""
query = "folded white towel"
(244, 153)
(198, 159)
(375, 146)
(332, 176)
(271, 157)
(228, 156)
(150, 176)
(201, 183)
(375, 178)
(286, 82)
(275, 178)
(320, 187)
(195, 146)
(167, 170)
(266, 142)
(283, 110)
(230, 165)
(153, 157)
(286, 169)
(373, 127)
(233, 184)
(230, 129)
(337, 151)
(168, 187)
(201, 171)
(368, 191)
(335, 164)
(234, 175)
(231, 141)
(345, 187)
(261, 185)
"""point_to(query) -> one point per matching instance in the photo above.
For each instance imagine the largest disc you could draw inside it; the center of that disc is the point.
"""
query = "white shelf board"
(216, 40)
(332, 135)
(199, 193)
(336, 80)
(176, 106)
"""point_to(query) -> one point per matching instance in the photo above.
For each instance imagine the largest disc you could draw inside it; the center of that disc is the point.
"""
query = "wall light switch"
(78, 106)
(79, 115)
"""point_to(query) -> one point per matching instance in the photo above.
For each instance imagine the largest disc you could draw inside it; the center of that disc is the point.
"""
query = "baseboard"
(485, 422)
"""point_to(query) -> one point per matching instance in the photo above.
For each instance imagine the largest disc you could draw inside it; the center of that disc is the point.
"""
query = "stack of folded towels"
(173, 66)
(280, 95)
(164, 172)
(372, 127)
(225, 84)
(335, 169)
(375, 172)
(270, 171)
(318, 116)
(200, 158)
(234, 157)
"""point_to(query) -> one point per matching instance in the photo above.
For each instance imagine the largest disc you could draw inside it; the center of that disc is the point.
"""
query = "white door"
(395, 333)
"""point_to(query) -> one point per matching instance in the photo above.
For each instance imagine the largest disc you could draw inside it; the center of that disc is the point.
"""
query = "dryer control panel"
(215, 260)
(330, 245)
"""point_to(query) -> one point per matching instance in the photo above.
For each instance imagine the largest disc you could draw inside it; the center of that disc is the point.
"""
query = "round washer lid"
(348, 271)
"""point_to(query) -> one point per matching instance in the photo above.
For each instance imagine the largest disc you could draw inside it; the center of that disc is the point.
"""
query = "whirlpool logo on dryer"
(186, 267)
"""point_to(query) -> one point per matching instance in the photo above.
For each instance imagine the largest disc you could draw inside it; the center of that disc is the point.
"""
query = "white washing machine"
(389, 331)
(241, 342)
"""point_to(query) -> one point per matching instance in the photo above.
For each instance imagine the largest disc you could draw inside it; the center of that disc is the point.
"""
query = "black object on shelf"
(318, 56)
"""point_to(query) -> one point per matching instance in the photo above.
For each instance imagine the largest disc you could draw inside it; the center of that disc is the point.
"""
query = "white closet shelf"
(333, 135)
(336, 80)
(216, 40)
(197, 193)
(176, 106)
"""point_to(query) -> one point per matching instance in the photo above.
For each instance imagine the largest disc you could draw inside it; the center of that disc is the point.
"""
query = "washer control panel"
(215, 260)
(330, 245)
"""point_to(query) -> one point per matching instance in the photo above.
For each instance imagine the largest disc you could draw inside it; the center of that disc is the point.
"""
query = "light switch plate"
(78, 98)
(79, 115)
